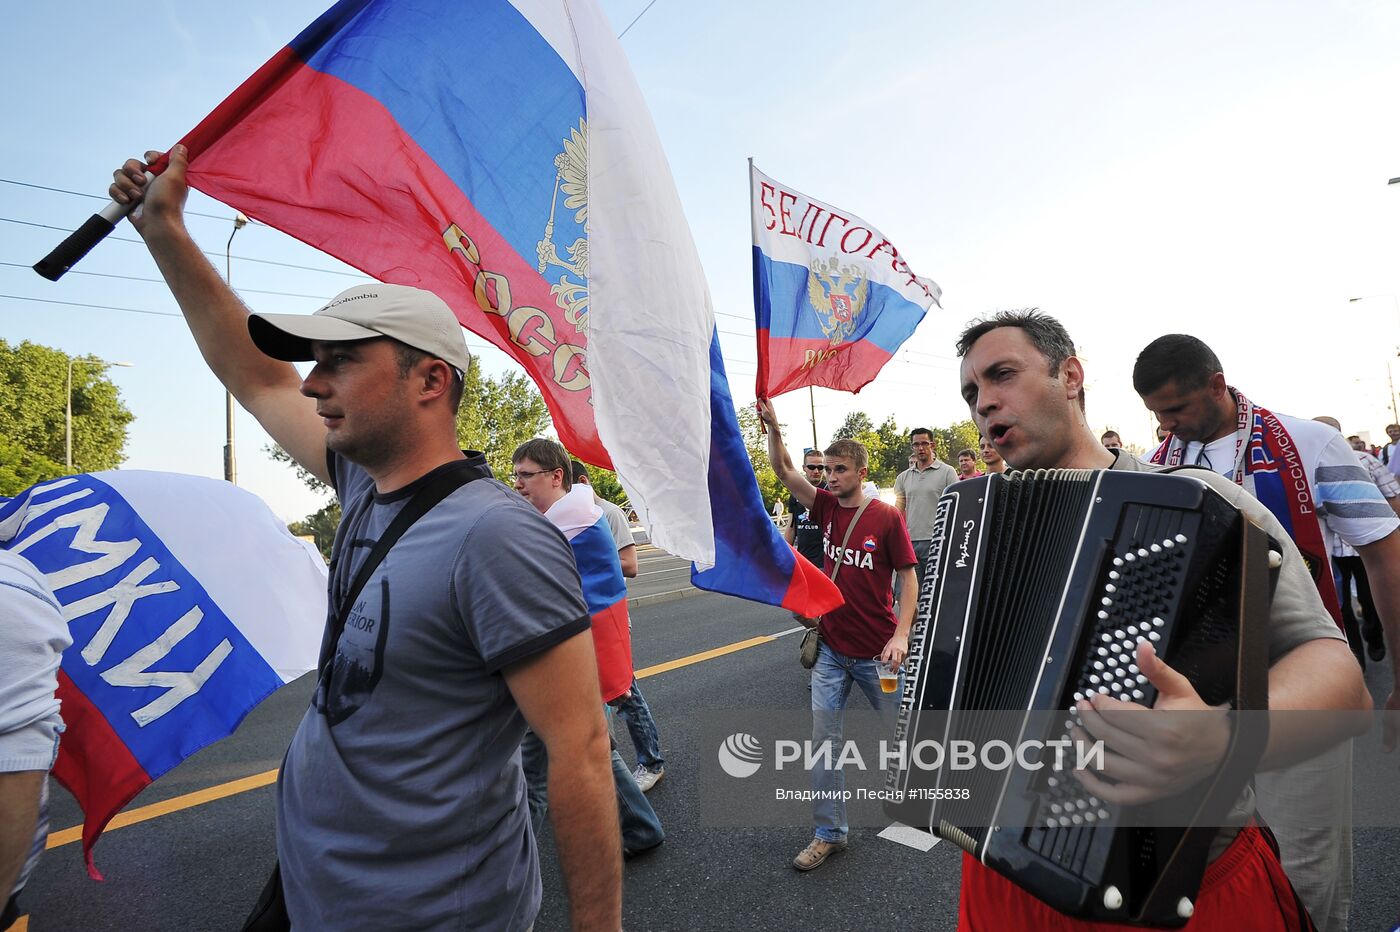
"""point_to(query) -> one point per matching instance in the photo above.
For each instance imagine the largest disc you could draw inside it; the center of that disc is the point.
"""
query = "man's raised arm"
(788, 474)
(266, 387)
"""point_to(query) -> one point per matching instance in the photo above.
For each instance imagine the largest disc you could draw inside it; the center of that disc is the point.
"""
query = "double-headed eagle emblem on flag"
(571, 179)
(838, 294)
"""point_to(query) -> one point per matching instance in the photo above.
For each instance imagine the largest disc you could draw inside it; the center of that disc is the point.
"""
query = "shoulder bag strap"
(420, 504)
(850, 528)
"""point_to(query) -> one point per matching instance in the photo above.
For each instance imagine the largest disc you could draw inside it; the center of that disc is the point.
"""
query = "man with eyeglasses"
(544, 475)
(1309, 478)
(803, 532)
(916, 492)
(865, 544)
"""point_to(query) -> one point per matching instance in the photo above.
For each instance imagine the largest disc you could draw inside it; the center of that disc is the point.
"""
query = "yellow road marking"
(69, 835)
(702, 656)
(198, 798)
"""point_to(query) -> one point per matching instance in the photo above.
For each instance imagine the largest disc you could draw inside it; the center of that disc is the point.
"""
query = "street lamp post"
(1394, 412)
(230, 461)
(68, 409)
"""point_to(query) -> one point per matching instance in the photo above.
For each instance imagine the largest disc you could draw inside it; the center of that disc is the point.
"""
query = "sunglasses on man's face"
(816, 466)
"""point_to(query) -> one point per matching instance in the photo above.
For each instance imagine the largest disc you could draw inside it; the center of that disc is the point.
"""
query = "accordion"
(1037, 588)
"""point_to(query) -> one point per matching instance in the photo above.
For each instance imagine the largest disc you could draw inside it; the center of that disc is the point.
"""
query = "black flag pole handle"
(81, 241)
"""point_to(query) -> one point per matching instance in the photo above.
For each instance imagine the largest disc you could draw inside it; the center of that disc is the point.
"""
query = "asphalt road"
(201, 868)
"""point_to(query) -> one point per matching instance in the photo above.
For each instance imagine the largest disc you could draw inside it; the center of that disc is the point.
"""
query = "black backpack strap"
(422, 502)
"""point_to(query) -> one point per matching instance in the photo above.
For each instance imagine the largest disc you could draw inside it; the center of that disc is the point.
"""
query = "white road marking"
(909, 837)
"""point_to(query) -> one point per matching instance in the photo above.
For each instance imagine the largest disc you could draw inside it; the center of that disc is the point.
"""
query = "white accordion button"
(1094, 678)
(1117, 561)
(1184, 909)
(1103, 813)
(1112, 899)
(1153, 635)
(1168, 543)
(1106, 601)
(1098, 664)
(1129, 557)
(1132, 668)
(1157, 622)
(1156, 548)
(1106, 638)
(1132, 630)
(1137, 694)
(1181, 538)
(1113, 574)
(1050, 823)
(1110, 588)
(1275, 559)
(1142, 551)
(1103, 615)
(1077, 819)
(1052, 782)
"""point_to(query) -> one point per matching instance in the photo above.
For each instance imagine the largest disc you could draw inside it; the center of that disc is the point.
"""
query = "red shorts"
(1244, 890)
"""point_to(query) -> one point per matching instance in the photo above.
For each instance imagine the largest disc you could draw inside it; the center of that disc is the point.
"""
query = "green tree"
(33, 396)
(956, 437)
(855, 424)
(756, 443)
(889, 453)
(320, 526)
(498, 415)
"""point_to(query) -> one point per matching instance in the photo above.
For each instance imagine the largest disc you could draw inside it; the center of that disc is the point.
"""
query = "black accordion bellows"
(1037, 588)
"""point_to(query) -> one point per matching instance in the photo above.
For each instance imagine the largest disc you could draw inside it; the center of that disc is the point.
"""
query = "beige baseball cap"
(412, 316)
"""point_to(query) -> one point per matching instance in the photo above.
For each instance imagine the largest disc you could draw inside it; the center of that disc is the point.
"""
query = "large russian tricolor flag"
(188, 603)
(832, 296)
(500, 154)
(604, 588)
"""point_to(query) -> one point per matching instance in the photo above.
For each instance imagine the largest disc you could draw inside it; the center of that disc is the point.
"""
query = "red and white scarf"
(1269, 467)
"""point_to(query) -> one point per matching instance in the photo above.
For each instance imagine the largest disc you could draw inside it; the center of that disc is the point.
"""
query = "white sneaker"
(646, 779)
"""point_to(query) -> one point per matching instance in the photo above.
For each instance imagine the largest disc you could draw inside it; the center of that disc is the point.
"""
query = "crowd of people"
(441, 736)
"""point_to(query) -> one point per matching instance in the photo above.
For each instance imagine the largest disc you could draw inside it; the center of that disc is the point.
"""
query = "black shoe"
(1376, 651)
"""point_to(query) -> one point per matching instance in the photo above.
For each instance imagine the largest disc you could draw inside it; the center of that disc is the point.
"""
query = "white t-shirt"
(1350, 507)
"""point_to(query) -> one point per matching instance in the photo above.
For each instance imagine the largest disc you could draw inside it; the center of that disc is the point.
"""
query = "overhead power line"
(160, 281)
(635, 18)
(217, 255)
(44, 187)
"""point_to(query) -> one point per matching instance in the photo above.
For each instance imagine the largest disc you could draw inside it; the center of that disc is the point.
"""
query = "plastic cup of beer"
(889, 676)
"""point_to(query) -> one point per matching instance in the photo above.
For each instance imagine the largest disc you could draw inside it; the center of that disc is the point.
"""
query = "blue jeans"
(636, 714)
(641, 829)
(832, 677)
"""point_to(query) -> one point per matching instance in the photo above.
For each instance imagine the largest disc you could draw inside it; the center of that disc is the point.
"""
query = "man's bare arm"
(19, 813)
(1382, 561)
(268, 388)
(789, 475)
(558, 694)
(627, 556)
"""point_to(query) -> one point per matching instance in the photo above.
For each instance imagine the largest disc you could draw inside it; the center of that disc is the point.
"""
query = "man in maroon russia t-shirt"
(861, 631)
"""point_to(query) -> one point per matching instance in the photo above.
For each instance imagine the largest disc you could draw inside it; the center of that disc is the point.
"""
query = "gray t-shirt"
(33, 636)
(617, 523)
(401, 802)
(916, 493)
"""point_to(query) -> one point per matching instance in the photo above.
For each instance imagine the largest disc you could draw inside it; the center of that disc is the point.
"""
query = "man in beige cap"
(401, 802)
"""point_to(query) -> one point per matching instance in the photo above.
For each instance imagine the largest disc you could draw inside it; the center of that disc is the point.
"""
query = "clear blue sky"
(1134, 169)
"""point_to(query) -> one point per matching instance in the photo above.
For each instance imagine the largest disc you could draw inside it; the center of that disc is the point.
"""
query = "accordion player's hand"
(1152, 753)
